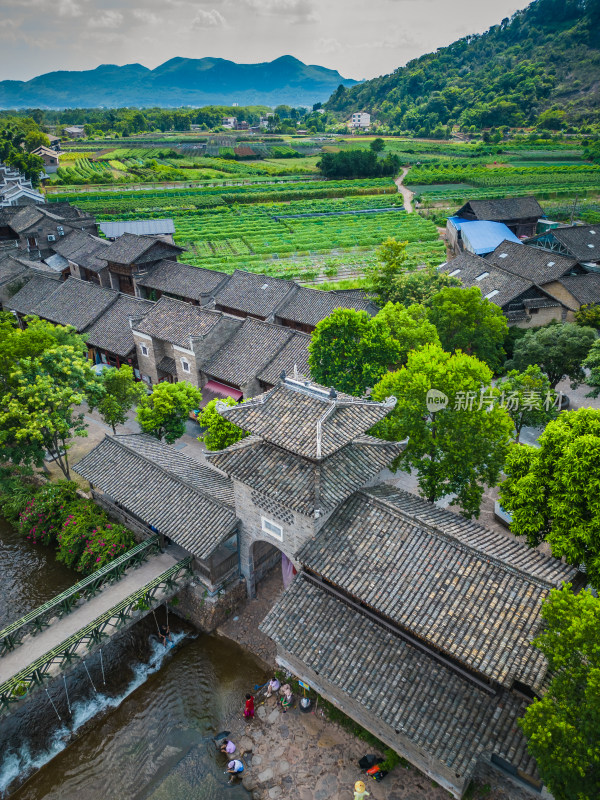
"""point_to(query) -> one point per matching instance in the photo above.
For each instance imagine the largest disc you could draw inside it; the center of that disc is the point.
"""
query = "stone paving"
(307, 757)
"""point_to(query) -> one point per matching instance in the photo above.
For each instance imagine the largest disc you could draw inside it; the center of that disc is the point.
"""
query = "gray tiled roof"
(183, 280)
(27, 299)
(310, 306)
(199, 475)
(254, 294)
(460, 596)
(582, 241)
(505, 209)
(530, 263)
(504, 547)
(167, 364)
(175, 321)
(83, 249)
(288, 416)
(135, 480)
(78, 303)
(509, 286)
(112, 331)
(293, 354)
(585, 288)
(300, 484)
(10, 268)
(129, 247)
(441, 712)
(247, 352)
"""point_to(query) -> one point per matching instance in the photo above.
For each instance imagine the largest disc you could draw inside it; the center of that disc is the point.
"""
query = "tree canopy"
(467, 321)
(358, 164)
(351, 350)
(163, 412)
(44, 376)
(120, 393)
(456, 449)
(528, 398)
(559, 349)
(408, 327)
(563, 728)
(552, 491)
(220, 433)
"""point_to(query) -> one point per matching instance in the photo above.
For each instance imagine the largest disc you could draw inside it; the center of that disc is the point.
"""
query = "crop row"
(546, 175)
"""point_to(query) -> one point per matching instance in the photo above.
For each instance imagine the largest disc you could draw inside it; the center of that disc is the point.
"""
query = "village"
(413, 621)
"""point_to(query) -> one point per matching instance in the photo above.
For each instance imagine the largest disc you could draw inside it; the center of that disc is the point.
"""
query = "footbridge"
(53, 638)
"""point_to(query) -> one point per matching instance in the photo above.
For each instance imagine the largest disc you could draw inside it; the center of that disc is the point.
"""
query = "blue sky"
(360, 38)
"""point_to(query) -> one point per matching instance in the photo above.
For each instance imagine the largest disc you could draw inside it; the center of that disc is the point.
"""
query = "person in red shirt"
(249, 710)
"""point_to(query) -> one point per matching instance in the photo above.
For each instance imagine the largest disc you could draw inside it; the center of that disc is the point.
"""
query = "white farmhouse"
(360, 120)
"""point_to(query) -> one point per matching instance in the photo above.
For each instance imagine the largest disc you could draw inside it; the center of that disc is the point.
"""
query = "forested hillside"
(540, 67)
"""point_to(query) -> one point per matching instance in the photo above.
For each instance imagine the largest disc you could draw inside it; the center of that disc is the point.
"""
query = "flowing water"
(140, 725)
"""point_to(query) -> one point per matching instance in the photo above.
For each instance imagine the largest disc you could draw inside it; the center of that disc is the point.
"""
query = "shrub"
(103, 545)
(42, 518)
(84, 518)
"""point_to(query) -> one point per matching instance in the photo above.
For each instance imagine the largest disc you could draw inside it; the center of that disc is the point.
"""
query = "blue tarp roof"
(481, 237)
(457, 222)
(142, 227)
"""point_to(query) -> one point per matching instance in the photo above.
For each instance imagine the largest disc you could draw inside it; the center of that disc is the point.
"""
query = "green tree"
(559, 350)
(592, 362)
(467, 321)
(528, 398)
(44, 376)
(552, 490)
(35, 139)
(588, 316)
(351, 351)
(377, 145)
(391, 260)
(408, 288)
(220, 433)
(120, 394)
(163, 412)
(408, 327)
(456, 449)
(563, 728)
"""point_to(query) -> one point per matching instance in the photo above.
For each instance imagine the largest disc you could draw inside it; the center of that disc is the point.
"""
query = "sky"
(359, 38)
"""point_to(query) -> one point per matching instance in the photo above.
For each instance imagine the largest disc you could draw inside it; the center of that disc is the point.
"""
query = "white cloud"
(145, 16)
(69, 8)
(296, 10)
(209, 19)
(329, 45)
(106, 19)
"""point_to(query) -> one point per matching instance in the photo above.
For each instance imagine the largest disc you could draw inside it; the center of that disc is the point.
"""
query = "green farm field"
(325, 228)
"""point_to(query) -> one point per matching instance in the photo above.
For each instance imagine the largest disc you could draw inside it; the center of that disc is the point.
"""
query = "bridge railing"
(38, 672)
(38, 619)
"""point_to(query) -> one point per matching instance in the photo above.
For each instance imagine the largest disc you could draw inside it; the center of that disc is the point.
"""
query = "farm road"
(406, 193)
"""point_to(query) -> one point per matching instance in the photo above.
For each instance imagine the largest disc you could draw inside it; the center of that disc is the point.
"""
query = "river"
(140, 725)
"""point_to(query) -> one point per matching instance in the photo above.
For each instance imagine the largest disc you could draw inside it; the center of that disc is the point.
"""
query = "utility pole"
(574, 207)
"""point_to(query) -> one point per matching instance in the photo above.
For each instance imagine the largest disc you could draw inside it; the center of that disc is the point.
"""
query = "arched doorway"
(271, 569)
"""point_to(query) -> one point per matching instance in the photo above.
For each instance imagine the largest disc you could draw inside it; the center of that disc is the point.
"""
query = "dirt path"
(406, 193)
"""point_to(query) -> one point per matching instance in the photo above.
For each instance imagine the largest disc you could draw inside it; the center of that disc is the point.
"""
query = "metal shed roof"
(141, 227)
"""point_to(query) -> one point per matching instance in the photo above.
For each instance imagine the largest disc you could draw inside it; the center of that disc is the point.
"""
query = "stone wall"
(250, 508)
(117, 514)
(208, 613)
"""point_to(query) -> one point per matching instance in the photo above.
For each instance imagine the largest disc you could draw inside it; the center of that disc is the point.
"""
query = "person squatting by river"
(227, 746)
(234, 767)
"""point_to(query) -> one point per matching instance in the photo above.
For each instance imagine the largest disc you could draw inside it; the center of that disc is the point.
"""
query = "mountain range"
(540, 66)
(178, 82)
